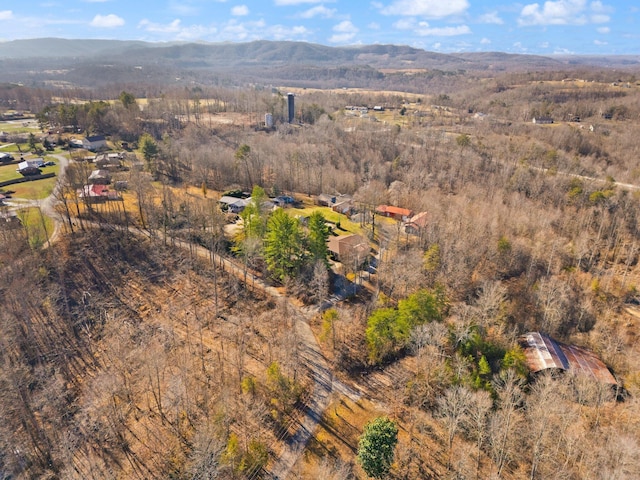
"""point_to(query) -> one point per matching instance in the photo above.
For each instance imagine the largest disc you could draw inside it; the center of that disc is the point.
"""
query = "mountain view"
(286, 260)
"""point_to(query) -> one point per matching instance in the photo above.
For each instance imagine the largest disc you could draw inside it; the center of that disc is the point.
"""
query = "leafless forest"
(131, 357)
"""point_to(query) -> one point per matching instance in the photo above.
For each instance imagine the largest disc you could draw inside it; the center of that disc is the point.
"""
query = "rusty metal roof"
(543, 352)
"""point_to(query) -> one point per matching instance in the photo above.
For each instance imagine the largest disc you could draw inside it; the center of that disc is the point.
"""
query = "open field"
(38, 226)
(20, 126)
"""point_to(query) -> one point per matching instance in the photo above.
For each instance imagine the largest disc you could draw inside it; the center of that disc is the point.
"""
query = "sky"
(602, 27)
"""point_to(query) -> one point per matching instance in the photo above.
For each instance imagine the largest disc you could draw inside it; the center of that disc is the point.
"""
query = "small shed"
(542, 120)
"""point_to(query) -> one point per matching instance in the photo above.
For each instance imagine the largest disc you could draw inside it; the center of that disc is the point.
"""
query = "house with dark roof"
(100, 177)
(94, 143)
(543, 353)
(30, 167)
(111, 161)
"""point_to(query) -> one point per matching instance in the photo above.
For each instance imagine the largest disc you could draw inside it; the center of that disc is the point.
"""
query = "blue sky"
(543, 27)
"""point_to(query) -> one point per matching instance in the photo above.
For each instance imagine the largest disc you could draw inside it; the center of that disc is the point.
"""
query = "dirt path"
(311, 358)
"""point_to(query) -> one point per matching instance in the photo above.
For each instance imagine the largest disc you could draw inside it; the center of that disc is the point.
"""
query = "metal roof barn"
(543, 352)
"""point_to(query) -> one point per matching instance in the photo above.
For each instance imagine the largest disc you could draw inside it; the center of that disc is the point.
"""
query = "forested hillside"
(130, 349)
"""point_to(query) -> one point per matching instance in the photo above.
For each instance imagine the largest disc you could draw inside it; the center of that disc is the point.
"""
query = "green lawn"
(13, 148)
(36, 190)
(8, 172)
(36, 223)
(346, 225)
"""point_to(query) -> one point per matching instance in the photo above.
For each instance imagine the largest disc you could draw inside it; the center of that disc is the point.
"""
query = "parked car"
(49, 164)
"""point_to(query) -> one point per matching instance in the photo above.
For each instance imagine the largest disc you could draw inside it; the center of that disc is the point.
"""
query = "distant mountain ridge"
(125, 64)
(264, 52)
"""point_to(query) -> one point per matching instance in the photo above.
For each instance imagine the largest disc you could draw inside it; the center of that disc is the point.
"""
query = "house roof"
(33, 163)
(97, 191)
(394, 210)
(345, 245)
(543, 352)
(226, 199)
(96, 138)
(96, 174)
(419, 220)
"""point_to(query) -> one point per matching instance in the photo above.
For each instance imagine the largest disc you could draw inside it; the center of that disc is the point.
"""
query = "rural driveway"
(311, 358)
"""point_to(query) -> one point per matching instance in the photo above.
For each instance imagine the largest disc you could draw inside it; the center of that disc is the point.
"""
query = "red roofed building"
(97, 193)
(401, 214)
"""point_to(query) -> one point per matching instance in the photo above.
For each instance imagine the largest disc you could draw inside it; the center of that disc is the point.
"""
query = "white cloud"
(405, 24)
(6, 14)
(345, 31)
(280, 32)
(281, 3)
(107, 21)
(561, 12)
(600, 43)
(173, 27)
(425, 30)
(240, 10)
(426, 8)
(374, 26)
(485, 41)
(345, 27)
(319, 11)
(564, 12)
(603, 30)
(491, 17)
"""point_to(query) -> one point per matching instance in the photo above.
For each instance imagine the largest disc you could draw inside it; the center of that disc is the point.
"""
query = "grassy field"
(8, 172)
(346, 225)
(39, 227)
(20, 126)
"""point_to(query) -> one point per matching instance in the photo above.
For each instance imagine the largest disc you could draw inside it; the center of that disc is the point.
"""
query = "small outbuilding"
(542, 120)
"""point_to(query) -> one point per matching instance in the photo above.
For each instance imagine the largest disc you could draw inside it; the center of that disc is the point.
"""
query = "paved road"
(48, 204)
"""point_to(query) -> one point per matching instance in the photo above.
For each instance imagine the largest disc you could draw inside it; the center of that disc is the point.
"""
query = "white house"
(95, 142)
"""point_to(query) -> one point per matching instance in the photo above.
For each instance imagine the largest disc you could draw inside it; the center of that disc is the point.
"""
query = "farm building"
(545, 353)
